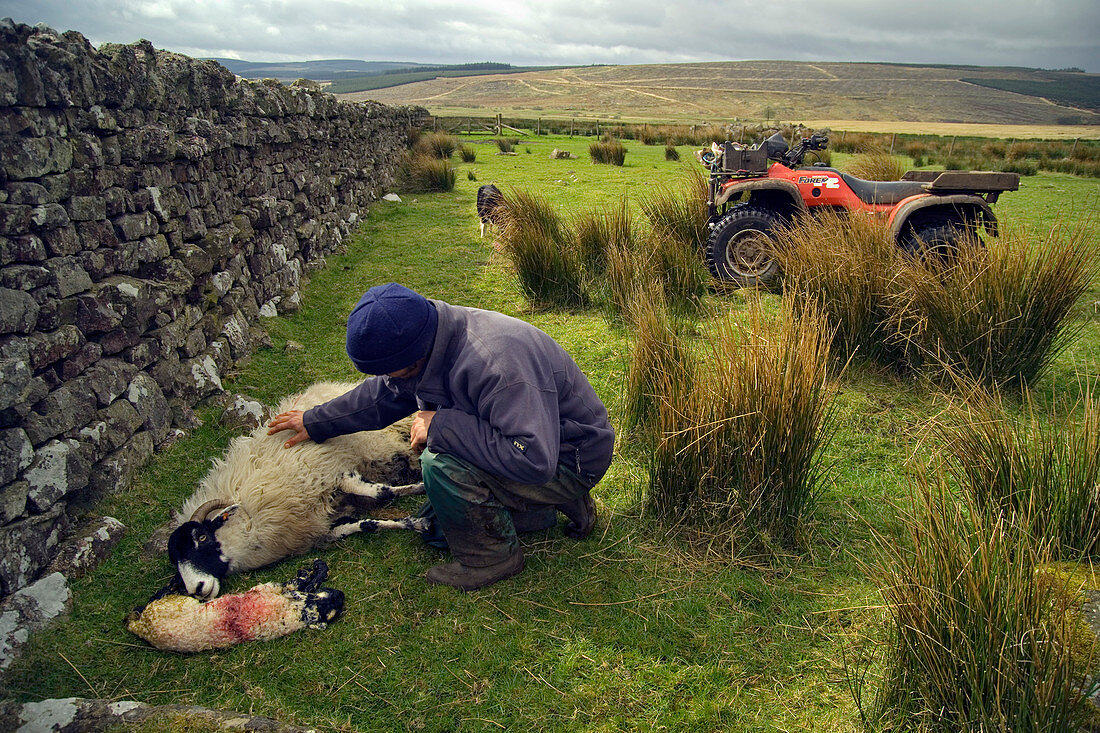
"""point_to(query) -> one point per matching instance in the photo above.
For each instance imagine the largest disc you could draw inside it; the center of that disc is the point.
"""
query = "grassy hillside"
(751, 90)
(625, 631)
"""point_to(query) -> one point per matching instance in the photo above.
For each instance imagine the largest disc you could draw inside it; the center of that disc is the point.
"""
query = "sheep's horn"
(209, 508)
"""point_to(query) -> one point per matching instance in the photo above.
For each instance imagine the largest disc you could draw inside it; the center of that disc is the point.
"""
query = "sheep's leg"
(353, 483)
(354, 526)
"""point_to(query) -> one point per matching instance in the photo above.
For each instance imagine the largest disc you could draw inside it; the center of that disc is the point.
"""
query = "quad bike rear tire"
(940, 237)
(741, 246)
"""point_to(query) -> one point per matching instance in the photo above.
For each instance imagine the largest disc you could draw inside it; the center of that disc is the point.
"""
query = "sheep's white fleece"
(286, 494)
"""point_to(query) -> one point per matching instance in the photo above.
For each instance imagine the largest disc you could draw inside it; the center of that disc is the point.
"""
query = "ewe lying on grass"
(264, 502)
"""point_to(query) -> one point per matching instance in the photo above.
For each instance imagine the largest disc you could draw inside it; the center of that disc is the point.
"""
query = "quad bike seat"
(882, 192)
(879, 192)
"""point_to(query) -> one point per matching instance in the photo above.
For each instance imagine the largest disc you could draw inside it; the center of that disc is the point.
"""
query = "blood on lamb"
(262, 502)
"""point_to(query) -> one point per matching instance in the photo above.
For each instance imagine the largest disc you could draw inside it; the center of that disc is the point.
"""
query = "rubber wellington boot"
(463, 577)
(581, 513)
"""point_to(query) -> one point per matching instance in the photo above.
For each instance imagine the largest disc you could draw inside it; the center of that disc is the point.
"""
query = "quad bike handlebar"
(794, 156)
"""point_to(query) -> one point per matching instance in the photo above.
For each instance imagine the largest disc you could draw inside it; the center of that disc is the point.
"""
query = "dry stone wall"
(152, 206)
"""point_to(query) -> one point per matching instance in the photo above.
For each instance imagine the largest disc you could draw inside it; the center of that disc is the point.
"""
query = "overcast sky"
(1036, 33)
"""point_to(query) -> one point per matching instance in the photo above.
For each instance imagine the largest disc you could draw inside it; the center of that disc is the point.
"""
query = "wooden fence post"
(951, 147)
(571, 121)
(892, 139)
(538, 127)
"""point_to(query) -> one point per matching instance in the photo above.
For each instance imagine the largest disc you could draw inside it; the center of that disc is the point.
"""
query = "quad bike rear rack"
(990, 183)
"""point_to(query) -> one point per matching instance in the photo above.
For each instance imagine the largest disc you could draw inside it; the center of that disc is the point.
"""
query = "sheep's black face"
(195, 551)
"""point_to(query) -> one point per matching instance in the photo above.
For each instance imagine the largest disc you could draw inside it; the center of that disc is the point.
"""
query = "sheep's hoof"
(310, 577)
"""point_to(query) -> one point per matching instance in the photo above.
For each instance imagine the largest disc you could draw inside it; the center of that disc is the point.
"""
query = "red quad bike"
(751, 198)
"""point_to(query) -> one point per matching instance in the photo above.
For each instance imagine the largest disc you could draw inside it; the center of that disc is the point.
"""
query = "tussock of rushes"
(550, 273)
(607, 151)
(671, 153)
(628, 269)
(598, 232)
(876, 165)
(436, 144)
(981, 637)
(1040, 472)
(660, 363)
(739, 455)
(844, 265)
(467, 153)
(679, 269)
(680, 213)
(997, 315)
(423, 174)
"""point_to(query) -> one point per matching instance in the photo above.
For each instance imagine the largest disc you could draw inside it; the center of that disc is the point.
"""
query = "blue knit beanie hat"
(389, 329)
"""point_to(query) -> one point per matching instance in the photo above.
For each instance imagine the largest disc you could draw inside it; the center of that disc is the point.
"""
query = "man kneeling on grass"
(510, 430)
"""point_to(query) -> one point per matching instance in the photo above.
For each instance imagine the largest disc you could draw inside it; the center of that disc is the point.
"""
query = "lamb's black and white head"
(198, 552)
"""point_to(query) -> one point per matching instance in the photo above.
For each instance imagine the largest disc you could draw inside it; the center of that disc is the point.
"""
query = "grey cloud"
(1057, 33)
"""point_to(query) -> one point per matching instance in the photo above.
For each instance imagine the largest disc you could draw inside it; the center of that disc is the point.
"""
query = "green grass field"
(626, 630)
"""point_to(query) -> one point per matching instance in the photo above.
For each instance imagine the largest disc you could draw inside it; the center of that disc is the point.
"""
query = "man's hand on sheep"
(418, 434)
(290, 420)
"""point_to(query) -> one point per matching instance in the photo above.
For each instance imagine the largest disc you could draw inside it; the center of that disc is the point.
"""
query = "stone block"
(115, 470)
(16, 453)
(23, 248)
(148, 399)
(58, 468)
(136, 226)
(87, 208)
(31, 609)
(71, 405)
(15, 382)
(18, 311)
(49, 216)
(47, 347)
(27, 546)
(87, 546)
(13, 501)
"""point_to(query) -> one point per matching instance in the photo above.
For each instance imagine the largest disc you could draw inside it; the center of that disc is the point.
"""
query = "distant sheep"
(490, 206)
(264, 502)
(180, 623)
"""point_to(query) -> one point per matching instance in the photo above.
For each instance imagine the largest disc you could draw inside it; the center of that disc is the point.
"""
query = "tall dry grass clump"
(843, 265)
(608, 150)
(680, 211)
(876, 165)
(1041, 472)
(981, 636)
(661, 366)
(622, 259)
(440, 145)
(598, 231)
(998, 315)
(541, 251)
(738, 459)
(425, 174)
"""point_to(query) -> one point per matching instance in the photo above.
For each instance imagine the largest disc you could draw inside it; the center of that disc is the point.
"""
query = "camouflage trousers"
(477, 514)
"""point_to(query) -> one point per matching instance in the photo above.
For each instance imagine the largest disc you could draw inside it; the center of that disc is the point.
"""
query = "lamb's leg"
(353, 483)
(347, 527)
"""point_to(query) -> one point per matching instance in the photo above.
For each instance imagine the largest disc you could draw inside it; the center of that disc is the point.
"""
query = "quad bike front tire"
(741, 246)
